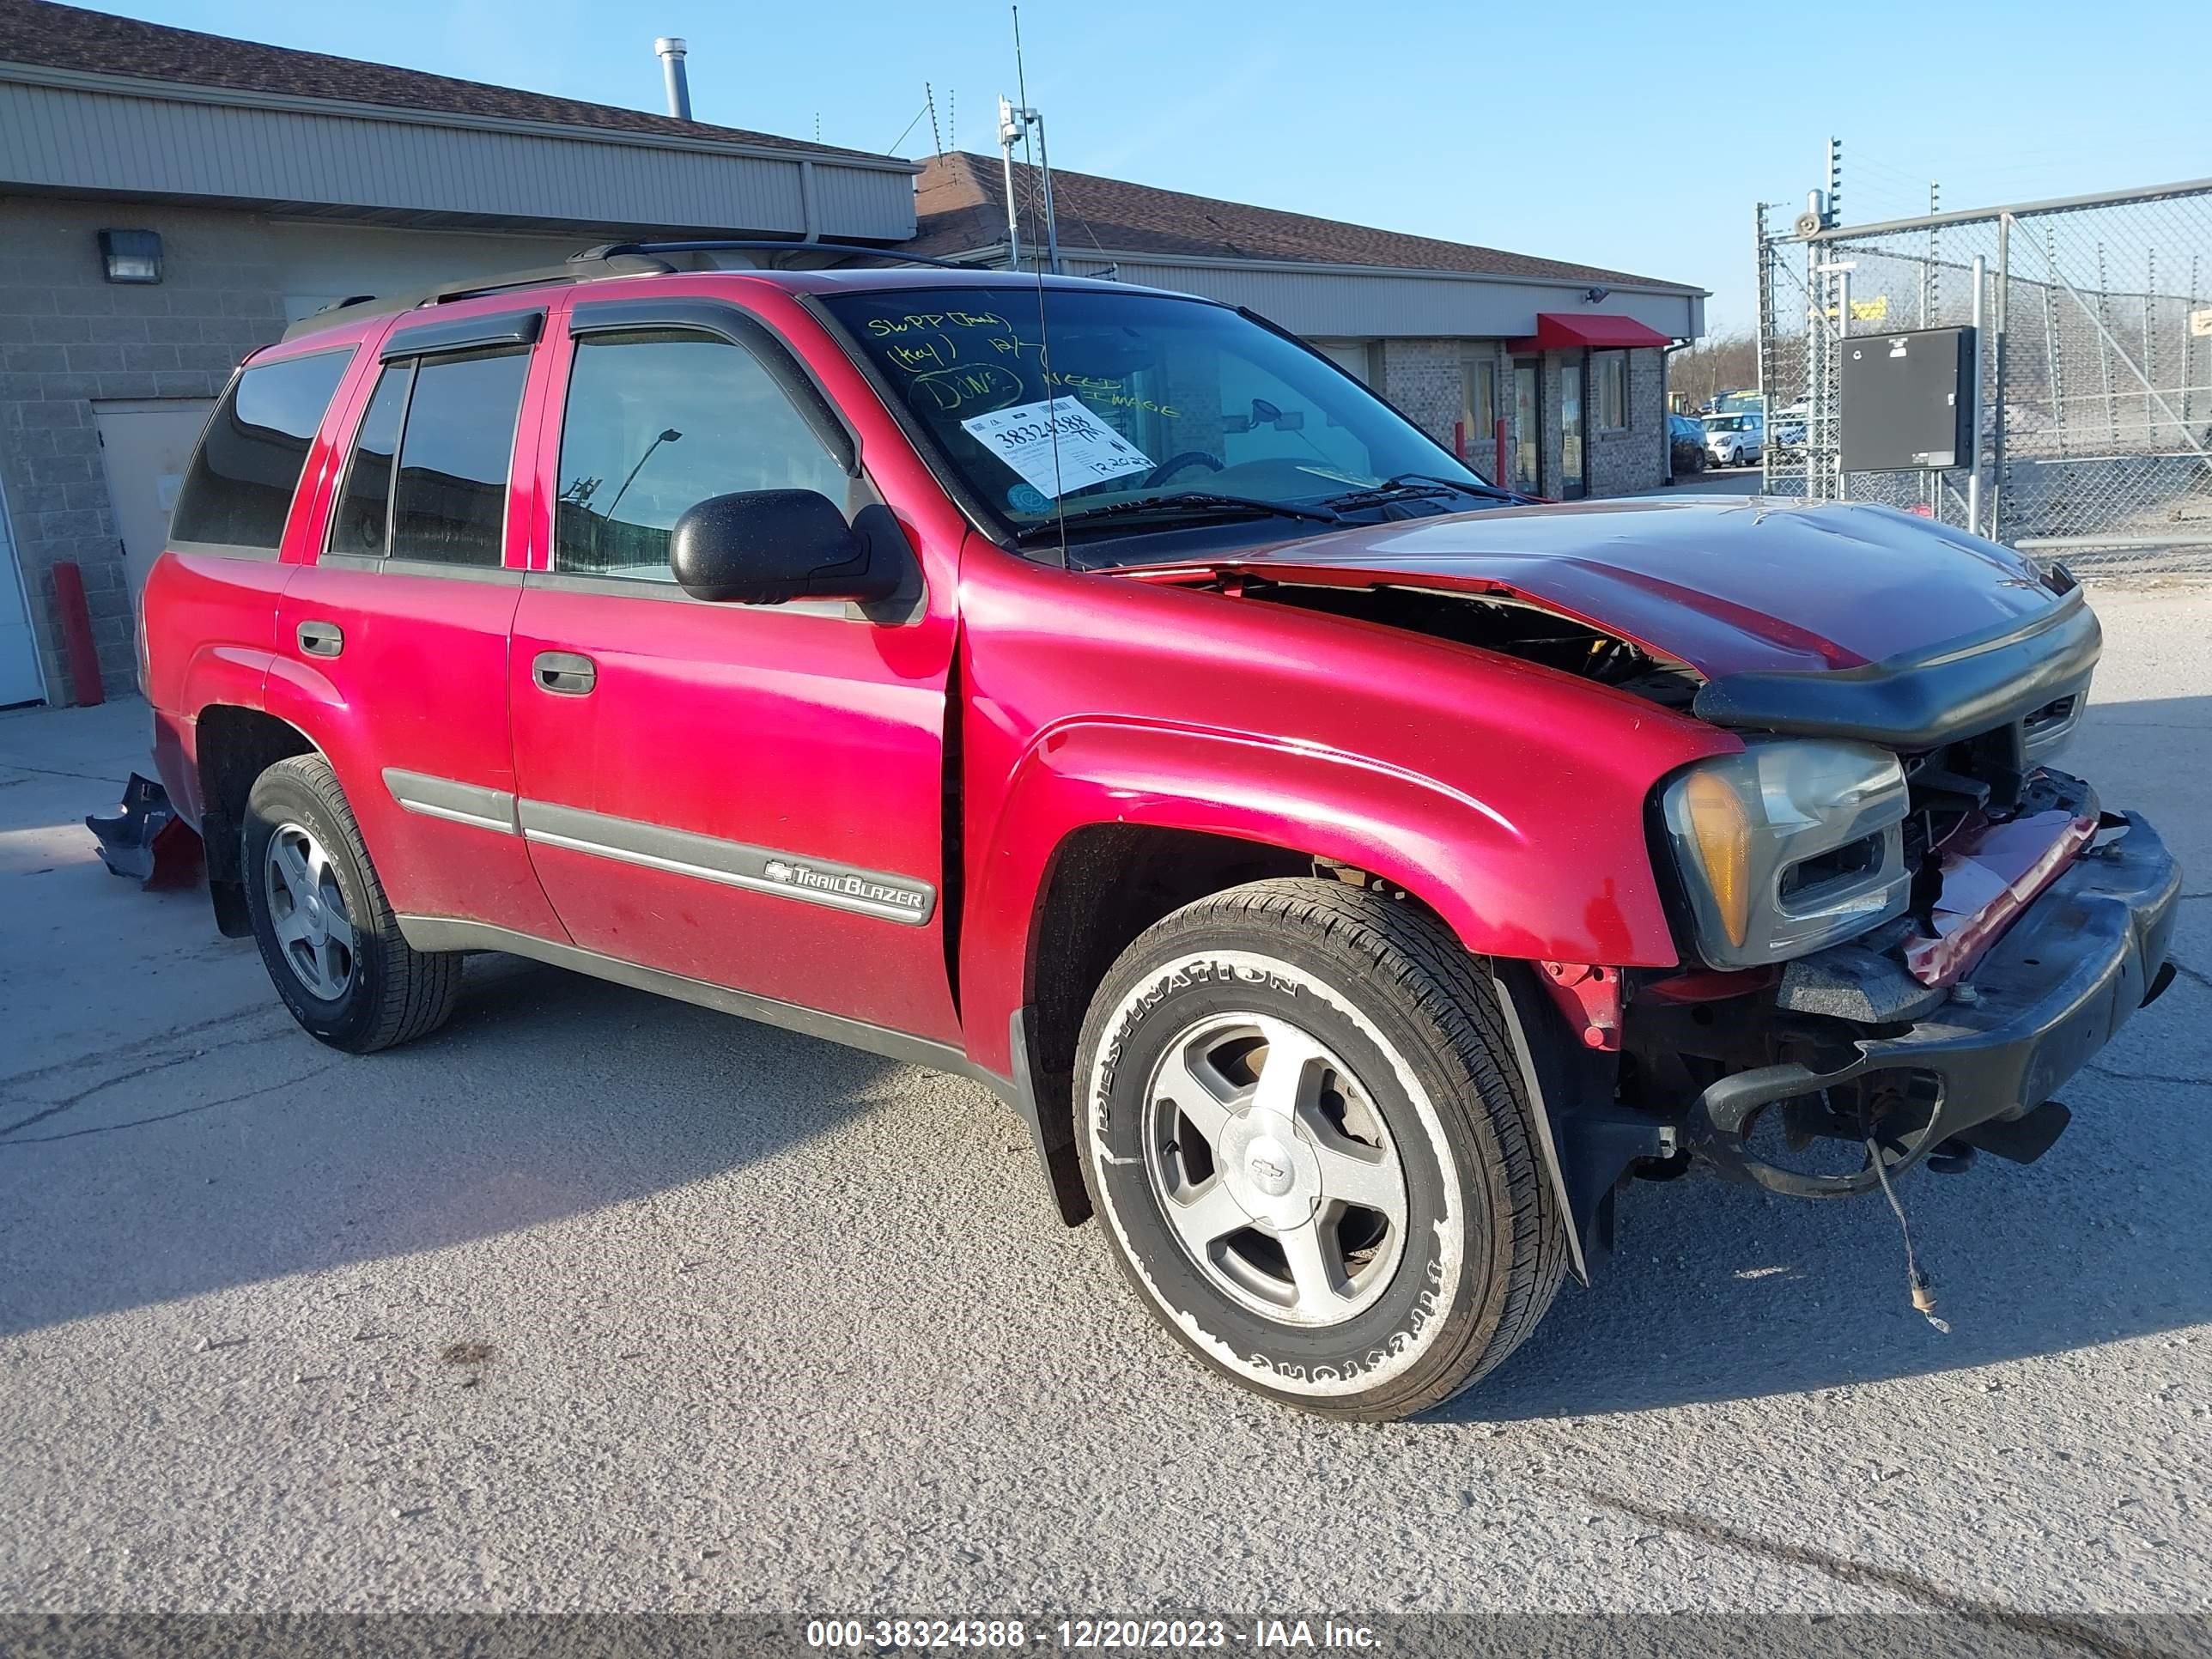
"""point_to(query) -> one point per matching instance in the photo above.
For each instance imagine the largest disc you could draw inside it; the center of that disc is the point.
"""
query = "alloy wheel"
(1274, 1169)
(308, 911)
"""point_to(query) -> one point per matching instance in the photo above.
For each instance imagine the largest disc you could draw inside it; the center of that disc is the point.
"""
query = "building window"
(1479, 415)
(1355, 358)
(1609, 372)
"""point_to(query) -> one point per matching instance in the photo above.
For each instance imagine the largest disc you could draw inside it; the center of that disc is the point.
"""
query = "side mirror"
(765, 546)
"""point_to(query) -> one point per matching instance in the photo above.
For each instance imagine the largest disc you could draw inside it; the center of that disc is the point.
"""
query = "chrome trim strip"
(456, 803)
(444, 933)
(732, 864)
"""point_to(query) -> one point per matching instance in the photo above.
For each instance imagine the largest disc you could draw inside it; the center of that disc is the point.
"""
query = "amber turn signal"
(1721, 829)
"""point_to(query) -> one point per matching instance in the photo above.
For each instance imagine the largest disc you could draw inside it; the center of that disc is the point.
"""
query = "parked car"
(1349, 873)
(1735, 439)
(1685, 443)
(1790, 425)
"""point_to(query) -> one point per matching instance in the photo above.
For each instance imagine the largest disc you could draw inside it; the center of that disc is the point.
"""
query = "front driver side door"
(752, 797)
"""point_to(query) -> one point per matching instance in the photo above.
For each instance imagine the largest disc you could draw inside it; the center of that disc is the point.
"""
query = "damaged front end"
(1893, 1041)
(1904, 931)
(2013, 925)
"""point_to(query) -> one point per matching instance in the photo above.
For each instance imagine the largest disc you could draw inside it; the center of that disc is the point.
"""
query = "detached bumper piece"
(2065, 976)
(147, 841)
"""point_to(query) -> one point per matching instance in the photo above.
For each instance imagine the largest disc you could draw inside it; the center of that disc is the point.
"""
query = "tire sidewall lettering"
(1374, 1348)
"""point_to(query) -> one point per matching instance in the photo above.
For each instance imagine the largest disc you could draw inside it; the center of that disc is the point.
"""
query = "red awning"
(1569, 330)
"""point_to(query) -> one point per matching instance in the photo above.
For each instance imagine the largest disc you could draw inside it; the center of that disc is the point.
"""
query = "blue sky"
(1632, 136)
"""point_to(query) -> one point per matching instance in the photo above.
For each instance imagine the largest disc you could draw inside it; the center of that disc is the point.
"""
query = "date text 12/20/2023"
(1106, 1633)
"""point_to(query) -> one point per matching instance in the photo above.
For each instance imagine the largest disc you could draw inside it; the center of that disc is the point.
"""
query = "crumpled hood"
(1727, 584)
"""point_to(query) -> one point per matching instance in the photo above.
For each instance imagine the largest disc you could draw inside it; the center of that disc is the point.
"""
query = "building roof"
(961, 204)
(40, 34)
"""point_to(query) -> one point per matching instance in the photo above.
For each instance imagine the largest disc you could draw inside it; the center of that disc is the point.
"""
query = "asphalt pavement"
(598, 1301)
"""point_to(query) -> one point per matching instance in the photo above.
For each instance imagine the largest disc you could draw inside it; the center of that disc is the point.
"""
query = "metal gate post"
(1974, 441)
(1997, 427)
(1766, 300)
(1843, 344)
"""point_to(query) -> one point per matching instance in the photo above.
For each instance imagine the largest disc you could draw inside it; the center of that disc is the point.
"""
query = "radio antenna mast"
(1016, 122)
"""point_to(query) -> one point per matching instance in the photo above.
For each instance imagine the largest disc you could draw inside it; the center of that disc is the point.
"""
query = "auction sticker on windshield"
(1057, 445)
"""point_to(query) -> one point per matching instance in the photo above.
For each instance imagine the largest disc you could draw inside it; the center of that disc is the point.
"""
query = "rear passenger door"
(391, 646)
(751, 796)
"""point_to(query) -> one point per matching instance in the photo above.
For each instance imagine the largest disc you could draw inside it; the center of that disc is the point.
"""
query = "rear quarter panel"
(211, 634)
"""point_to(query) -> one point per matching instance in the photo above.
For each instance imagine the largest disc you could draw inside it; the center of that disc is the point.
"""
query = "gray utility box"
(1908, 400)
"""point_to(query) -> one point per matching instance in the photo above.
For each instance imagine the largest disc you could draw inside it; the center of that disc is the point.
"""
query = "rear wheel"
(1302, 1126)
(327, 934)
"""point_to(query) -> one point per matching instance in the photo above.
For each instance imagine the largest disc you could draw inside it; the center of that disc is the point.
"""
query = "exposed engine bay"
(1511, 627)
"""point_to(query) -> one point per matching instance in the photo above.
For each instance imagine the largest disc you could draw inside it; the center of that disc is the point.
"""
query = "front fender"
(1573, 882)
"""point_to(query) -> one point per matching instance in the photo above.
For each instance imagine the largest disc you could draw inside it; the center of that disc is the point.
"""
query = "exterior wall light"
(132, 255)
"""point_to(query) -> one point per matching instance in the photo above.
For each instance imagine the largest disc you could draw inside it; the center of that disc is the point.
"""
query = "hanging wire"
(1923, 1292)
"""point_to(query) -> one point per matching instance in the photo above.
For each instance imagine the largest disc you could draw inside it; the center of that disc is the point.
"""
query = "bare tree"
(1720, 362)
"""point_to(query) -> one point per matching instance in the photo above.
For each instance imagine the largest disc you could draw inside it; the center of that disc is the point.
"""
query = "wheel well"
(236, 746)
(1108, 883)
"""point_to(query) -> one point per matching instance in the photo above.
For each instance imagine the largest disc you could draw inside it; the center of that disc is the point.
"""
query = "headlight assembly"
(1790, 846)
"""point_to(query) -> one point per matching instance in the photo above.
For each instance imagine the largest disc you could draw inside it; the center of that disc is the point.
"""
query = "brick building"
(170, 200)
(1572, 357)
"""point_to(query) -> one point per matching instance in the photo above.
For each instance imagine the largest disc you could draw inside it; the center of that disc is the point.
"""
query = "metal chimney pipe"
(671, 49)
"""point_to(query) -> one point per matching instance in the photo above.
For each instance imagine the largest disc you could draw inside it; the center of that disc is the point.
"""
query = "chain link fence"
(2095, 319)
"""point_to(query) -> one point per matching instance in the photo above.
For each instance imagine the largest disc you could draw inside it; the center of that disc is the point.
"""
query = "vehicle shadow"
(229, 1149)
(1721, 1293)
(238, 1149)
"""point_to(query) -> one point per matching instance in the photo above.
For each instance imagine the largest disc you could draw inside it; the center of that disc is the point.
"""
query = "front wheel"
(326, 932)
(1302, 1126)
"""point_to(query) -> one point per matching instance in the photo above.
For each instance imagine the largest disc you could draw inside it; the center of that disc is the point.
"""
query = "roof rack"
(582, 268)
(762, 245)
(608, 259)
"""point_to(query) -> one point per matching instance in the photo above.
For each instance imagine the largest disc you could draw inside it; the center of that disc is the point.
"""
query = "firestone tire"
(1414, 1072)
(326, 932)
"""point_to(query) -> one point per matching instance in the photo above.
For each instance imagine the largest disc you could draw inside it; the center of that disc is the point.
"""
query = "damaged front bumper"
(2065, 976)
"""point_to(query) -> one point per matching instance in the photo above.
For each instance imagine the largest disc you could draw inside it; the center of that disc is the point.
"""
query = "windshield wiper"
(1189, 504)
(1416, 486)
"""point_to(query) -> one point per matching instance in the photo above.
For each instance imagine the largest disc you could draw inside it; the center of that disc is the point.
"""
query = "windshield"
(1054, 403)
(1727, 423)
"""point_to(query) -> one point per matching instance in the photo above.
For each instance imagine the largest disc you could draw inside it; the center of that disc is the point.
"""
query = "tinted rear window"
(238, 491)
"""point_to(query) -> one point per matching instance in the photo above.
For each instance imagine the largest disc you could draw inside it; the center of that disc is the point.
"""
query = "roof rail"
(608, 259)
(760, 244)
(583, 268)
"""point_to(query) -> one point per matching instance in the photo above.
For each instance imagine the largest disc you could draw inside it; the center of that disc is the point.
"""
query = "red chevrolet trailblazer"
(1351, 872)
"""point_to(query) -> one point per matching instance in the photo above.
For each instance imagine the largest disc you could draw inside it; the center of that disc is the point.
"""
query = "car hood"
(1727, 584)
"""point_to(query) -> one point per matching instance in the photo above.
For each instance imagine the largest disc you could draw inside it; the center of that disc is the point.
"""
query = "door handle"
(564, 673)
(320, 639)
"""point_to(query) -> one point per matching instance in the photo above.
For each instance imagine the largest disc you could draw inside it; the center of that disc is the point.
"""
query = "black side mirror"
(765, 546)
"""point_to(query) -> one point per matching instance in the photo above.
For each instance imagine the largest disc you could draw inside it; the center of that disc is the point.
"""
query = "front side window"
(449, 501)
(1055, 405)
(238, 490)
(657, 423)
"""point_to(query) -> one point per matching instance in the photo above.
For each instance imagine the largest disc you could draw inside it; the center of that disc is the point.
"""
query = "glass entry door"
(1528, 426)
(1573, 477)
